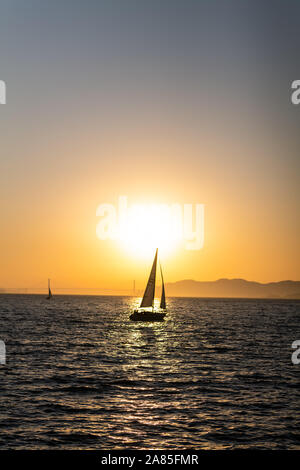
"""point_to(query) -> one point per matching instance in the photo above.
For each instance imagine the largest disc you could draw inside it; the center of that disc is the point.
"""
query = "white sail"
(163, 294)
(150, 289)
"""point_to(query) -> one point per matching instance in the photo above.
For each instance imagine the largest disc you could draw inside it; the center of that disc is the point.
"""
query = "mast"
(49, 290)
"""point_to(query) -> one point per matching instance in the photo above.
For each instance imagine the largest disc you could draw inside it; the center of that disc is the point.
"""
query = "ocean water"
(217, 374)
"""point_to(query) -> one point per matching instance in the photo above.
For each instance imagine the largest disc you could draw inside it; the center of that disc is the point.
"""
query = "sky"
(164, 102)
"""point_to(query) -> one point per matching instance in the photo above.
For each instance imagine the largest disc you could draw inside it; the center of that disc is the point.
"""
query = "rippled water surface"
(216, 374)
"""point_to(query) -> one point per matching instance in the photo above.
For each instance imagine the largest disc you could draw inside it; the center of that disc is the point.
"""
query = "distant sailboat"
(148, 299)
(49, 291)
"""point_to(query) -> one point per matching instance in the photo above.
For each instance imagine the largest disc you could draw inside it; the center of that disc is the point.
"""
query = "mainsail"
(163, 294)
(150, 289)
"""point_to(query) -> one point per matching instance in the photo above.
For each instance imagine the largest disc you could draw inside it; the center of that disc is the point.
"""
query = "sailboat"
(141, 314)
(49, 291)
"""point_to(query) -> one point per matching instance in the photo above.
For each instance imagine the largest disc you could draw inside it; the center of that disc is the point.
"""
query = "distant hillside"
(234, 288)
(188, 288)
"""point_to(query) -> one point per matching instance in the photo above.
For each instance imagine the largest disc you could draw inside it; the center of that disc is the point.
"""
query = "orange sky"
(50, 221)
(183, 109)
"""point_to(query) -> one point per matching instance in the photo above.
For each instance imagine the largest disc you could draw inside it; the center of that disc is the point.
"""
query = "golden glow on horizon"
(49, 222)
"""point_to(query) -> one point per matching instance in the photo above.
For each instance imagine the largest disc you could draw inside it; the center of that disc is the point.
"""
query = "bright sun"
(145, 230)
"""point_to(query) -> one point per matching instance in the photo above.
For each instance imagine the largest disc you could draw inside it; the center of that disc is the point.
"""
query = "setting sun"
(148, 228)
(141, 228)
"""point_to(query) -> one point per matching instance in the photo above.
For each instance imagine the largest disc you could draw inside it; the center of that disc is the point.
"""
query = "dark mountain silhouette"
(239, 288)
(234, 288)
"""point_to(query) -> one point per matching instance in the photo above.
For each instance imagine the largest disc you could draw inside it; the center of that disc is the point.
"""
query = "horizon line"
(159, 285)
(168, 296)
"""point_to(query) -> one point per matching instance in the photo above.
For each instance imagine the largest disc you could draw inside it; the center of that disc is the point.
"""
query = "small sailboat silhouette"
(141, 314)
(49, 291)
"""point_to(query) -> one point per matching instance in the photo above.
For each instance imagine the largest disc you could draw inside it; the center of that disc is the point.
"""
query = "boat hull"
(147, 316)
